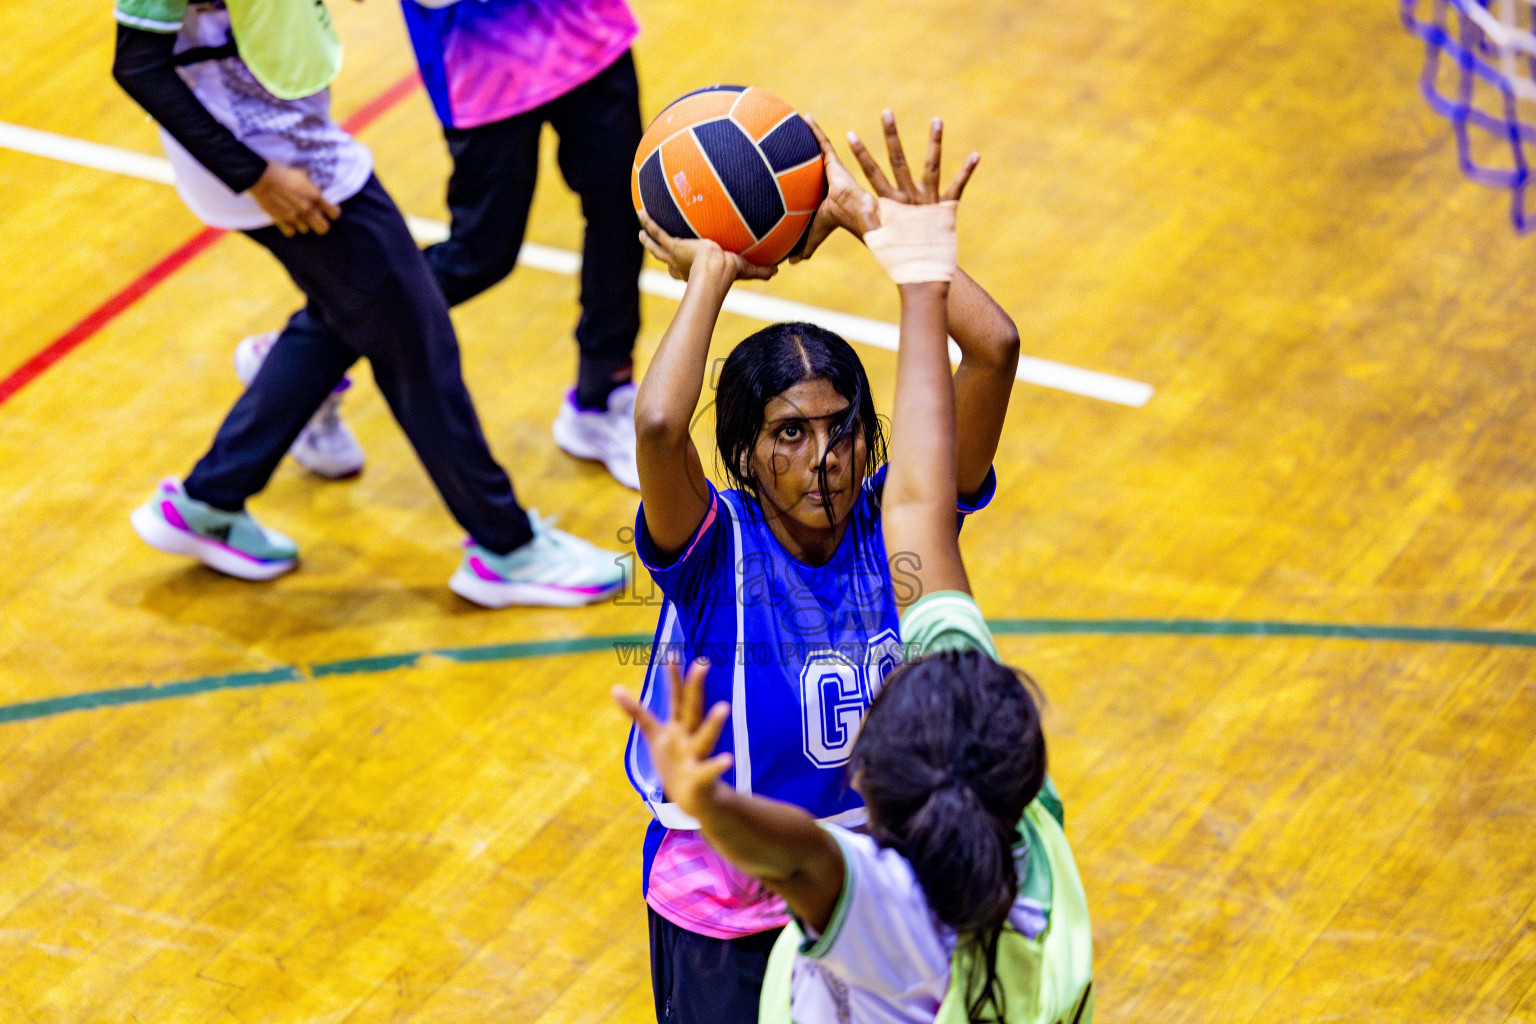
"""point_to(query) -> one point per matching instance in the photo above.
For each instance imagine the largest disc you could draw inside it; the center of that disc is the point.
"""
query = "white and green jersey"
(885, 959)
(298, 132)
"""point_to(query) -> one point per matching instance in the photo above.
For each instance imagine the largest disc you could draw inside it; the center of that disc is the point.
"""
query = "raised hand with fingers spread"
(848, 206)
(907, 189)
(681, 742)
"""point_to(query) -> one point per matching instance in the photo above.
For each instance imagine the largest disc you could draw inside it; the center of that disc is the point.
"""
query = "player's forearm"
(989, 358)
(766, 839)
(669, 392)
(922, 448)
(982, 330)
(918, 508)
(143, 66)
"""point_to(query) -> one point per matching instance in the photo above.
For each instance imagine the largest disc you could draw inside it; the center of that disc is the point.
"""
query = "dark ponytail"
(964, 858)
(949, 755)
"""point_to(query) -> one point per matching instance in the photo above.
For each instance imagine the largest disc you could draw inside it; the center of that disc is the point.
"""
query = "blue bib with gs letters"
(798, 651)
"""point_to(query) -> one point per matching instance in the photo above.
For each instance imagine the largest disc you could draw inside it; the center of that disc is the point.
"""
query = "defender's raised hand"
(901, 187)
(682, 743)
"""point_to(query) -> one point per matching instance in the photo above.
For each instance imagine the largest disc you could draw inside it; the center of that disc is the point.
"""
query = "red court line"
(372, 111)
(108, 311)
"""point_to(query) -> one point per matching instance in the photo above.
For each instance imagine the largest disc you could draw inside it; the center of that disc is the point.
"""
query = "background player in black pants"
(497, 71)
(282, 171)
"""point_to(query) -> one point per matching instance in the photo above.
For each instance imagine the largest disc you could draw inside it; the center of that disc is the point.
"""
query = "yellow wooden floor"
(1245, 205)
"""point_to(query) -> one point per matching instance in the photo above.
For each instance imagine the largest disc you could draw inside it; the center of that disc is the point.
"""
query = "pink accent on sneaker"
(486, 573)
(594, 589)
(238, 553)
(173, 516)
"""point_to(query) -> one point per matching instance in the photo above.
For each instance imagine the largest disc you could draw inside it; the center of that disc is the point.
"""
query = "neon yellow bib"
(1045, 980)
(289, 45)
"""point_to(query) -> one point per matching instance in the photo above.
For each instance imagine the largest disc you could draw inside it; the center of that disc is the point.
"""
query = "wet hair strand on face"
(768, 363)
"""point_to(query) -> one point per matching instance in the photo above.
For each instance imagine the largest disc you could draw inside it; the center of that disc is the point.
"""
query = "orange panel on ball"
(804, 187)
(758, 111)
(700, 197)
(684, 114)
(779, 241)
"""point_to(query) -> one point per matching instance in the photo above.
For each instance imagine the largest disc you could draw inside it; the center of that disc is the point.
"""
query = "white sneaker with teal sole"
(555, 568)
(326, 446)
(231, 542)
(607, 435)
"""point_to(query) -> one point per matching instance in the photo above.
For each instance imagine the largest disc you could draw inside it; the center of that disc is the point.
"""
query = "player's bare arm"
(775, 842)
(673, 487)
(915, 243)
(985, 334)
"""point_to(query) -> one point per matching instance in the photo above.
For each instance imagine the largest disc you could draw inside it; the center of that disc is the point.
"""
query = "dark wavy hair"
(772, 361)
(950, 754)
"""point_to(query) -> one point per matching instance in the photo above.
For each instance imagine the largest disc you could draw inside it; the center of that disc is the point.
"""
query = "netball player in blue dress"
(783, 581)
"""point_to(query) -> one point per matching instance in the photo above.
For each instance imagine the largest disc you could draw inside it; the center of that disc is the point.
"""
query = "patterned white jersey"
(298, 133)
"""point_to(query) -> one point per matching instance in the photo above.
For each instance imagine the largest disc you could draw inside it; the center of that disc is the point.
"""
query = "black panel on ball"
(657, 199)
(790, 145)
(743, 172)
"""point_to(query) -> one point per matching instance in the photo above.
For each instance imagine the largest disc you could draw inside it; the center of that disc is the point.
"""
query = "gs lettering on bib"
(798, 651)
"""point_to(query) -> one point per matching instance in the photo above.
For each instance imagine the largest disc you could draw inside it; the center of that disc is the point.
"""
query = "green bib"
(289, 45)
(1045, 980)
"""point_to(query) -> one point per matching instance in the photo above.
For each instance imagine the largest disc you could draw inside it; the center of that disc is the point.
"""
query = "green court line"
(140, 694)
(1225, 627)
(544, 648)
(364, 666)
(590, 644)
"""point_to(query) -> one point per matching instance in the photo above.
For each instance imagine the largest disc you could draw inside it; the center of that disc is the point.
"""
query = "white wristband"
(915, 243)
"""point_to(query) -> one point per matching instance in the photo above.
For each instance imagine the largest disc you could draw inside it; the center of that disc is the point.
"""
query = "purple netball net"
(1479, 60)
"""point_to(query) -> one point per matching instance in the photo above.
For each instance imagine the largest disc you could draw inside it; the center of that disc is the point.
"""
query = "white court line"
(1044, 372)
(85, 154)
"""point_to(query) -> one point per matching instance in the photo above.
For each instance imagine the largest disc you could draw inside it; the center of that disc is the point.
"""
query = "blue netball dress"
(799, 652)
